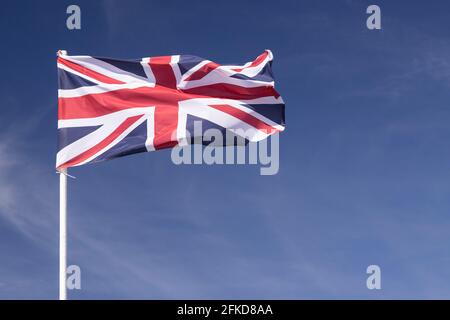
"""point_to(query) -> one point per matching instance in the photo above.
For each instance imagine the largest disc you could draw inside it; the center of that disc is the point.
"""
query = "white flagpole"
(62, 226)
(62, 234)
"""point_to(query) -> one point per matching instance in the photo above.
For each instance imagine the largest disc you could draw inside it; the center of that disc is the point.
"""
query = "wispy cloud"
(23, 200)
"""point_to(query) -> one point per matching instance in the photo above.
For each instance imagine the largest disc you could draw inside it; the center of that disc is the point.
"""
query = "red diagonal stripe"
(257, 61)
(88, 72)
(92, 151)
(203, 71)
(231, 91)
(245, 117)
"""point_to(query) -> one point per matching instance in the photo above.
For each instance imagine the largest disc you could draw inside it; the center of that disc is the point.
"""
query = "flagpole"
(62, 234)
(62, 225)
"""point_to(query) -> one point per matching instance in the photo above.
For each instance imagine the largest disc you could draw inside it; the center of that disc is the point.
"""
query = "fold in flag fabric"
(109, 108)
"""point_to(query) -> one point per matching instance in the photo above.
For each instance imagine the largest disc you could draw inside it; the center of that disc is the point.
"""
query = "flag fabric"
(109, 108)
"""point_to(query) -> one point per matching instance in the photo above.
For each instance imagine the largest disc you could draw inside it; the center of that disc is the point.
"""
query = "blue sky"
(364, 174)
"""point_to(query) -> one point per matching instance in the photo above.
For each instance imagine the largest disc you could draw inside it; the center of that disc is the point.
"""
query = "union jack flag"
(110, 108)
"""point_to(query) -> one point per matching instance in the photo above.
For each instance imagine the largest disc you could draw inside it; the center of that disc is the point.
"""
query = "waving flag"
(110, 108)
